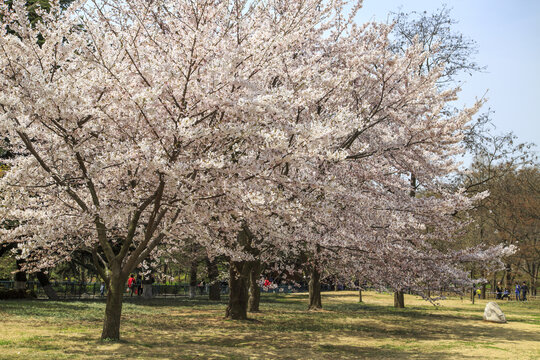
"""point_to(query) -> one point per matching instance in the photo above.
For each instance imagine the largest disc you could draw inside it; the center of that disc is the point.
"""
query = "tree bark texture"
(20, 276)
(399, 299)
(315, 290)
(238, 290)
(254, 287)
(147, 291)
(113, 309)
(508, 277)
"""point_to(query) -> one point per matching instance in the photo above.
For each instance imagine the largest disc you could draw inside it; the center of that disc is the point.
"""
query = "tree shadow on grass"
(182, 328)
(254, 345)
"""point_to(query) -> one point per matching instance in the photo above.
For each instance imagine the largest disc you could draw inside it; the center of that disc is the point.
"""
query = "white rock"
(494, 313)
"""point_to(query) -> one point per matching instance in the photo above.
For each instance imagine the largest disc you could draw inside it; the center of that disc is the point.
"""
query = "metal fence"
(78, 290)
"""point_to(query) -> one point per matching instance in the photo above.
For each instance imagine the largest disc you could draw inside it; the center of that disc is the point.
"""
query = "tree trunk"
(360, 295)
(315, 302)
(113, 310)
(508, 277)
(254, 287)
(483, 294)
(46, 285)
(238, 290)
(147, 291)
(214, 292)
(473, 290)
(20, 276)
(502, 277)
(399, 299)
(193, 280)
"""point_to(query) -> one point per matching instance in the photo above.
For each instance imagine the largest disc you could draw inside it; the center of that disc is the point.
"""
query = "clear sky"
(508, 37)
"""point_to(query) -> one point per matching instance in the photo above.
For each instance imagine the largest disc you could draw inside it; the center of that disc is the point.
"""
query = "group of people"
(135, 285)
(520, 291)
(523, 290)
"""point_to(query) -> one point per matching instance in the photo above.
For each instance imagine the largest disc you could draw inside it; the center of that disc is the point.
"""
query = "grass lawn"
(345, 329)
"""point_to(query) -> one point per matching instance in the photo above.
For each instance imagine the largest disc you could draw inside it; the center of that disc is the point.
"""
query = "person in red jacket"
(131, 284)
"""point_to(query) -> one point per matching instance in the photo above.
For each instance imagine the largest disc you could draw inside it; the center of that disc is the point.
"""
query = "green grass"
(345, 329)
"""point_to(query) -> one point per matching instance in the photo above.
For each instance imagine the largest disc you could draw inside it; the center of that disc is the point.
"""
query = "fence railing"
(77, 290)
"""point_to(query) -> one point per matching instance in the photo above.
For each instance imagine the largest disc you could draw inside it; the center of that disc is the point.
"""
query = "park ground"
(345, 329)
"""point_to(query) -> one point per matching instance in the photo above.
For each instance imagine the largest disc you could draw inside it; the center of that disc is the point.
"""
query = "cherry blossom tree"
(144, 123)
(393, 171)
(258, 129)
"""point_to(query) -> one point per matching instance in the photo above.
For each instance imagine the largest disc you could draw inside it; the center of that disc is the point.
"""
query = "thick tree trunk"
(46, 285)
(238, 290)
(193, 279)
(20, 285)
(20, 277)
(315, 302)
(147, 291)
(483, 294)
(113, 309)
(508, 277)
(399, 299)
(254, 287)
(214, 292)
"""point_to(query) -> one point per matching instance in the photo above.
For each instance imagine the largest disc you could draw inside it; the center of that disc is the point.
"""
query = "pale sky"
(508, 38)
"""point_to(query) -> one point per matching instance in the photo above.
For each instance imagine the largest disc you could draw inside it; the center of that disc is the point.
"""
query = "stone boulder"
(493, 313)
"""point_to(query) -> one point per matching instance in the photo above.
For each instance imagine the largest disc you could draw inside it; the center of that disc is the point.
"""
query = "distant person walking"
(102, 289)
(524, 290)
(518, 290)
(131, 284)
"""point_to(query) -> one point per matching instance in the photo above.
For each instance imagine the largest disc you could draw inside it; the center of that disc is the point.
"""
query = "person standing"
(498, 291)
(131, 284)
(524, 290)
(518, 290)
(139, 285)
(102, 289)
